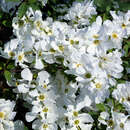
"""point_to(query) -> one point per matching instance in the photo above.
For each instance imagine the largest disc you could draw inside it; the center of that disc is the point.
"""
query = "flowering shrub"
(66, 72)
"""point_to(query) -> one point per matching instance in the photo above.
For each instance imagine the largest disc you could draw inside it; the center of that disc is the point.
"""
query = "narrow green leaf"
(101, 107)
(124, 6)
(25, 128)
(22, 9)
(35, 6)
(11, 66)
(7, 75)
(32, 1)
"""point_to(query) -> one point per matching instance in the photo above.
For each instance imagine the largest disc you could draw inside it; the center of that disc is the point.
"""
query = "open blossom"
(67, 69)
(118, 121)
(7, 114)
(122, 94)
(80, 13)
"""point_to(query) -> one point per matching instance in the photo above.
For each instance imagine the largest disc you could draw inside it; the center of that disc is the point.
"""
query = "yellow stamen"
(45, 109)
(98, 85)
(2, 115)
(44, 86)
(76, 122)
(75, 113)
(123, 26)
(96, 42)
(95, 36)
(61, 48)
(11, 54)
(20, 57)
(78, 65)
(114, 35)
(41, 97)
(88, 75)
(52, 50)
(45, 126)
(121, 125)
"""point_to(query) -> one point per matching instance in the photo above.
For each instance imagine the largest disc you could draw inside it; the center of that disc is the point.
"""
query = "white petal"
(43, 76)
(39, 64)
(30, 116)
(22, 88)
(26, 74)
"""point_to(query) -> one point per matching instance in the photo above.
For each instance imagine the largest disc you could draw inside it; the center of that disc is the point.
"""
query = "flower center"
(96, 42)
(75, 113)
(114, 35)
(96, 36)
(61, 48)
(78, 65)
(45, 109)
(110, 123)
(2, 115)
(76, 122)
(45, 86)
(52, 50)
(87, 75)
(121, 125)
(20, 57)
(11, 54)
(98, 85)
(45, 126)
(123, 26)
(41, 97)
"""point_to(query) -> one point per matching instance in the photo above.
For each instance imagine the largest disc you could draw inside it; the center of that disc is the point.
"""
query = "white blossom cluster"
(7, 115)
(92, 54)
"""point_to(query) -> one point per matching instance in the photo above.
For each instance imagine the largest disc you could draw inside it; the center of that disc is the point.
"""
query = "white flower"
(10, 48)
(118, 121)
(122, 94)
(122, 19)
(111, 63)
(26, 74)
(80, 13)
(96, 38)
(82, 121)
(44, 125)
(115, 34)
(6, 114)
(43, 77)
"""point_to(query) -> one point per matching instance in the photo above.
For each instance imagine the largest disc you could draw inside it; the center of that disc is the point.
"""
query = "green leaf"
(32, 1)
(7, 75)
(22, 9)
(6, 23)
(103, 5)
(124, 6)
(126, 48)
(101, 107)
(1, 15)
(10, 66)
(25, 128)
(35, 6)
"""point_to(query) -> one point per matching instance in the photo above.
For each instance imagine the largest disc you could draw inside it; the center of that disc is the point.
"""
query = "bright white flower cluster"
(117, 121)
(6, 114)
(80, 13)
(92, 54)
(122, 94)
